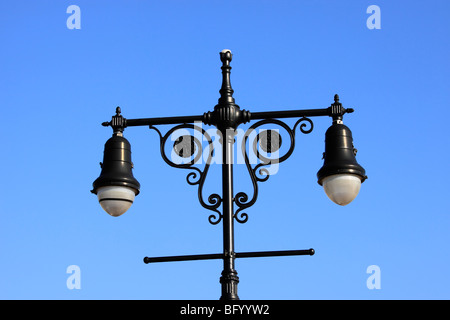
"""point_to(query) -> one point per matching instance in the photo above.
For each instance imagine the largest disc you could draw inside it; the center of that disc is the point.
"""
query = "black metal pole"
(229, 278)
(227, 118)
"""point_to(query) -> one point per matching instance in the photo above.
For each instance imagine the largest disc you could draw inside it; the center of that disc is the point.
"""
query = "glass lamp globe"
(342, 188)
(115, 200)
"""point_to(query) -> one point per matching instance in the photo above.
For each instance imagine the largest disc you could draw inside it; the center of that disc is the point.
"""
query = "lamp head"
(116, 186)
(341, 175)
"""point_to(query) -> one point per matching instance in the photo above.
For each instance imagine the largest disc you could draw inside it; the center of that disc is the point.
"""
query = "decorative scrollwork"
(303, 125)
(189, 148)
(270, 142)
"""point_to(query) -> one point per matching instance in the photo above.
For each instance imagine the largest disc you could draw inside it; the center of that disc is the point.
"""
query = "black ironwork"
(212, 256)
(226, 117)
(242, 199)
(196, 176)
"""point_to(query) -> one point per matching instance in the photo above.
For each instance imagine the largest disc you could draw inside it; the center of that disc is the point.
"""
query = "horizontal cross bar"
(237, 255)
(253, 116)
(309, 252)
(163, 120)
(290, 114)
(184, 258)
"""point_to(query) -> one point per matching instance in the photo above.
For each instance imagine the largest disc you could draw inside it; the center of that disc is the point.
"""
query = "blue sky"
(156, 59)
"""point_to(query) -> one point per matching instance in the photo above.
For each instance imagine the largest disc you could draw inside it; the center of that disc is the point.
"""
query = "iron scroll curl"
(189, 146)
(268, 142)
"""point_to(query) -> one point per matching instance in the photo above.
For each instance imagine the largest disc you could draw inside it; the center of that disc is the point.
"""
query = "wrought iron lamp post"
(340, 174)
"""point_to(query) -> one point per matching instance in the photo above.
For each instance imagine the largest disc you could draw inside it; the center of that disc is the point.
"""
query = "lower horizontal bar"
(184, 258)
(237, 255)
(275, 253)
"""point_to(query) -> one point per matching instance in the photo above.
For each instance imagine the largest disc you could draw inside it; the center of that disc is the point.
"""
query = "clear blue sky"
(161, 58)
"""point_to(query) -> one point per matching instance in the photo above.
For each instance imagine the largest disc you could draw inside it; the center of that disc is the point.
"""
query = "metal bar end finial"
(118, 123)
(337, 110)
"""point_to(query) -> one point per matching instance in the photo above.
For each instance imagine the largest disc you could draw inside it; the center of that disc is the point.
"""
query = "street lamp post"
(340, 175)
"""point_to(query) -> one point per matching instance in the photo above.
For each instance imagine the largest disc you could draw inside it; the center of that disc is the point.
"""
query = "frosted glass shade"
(115, 200)
(342, 188)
